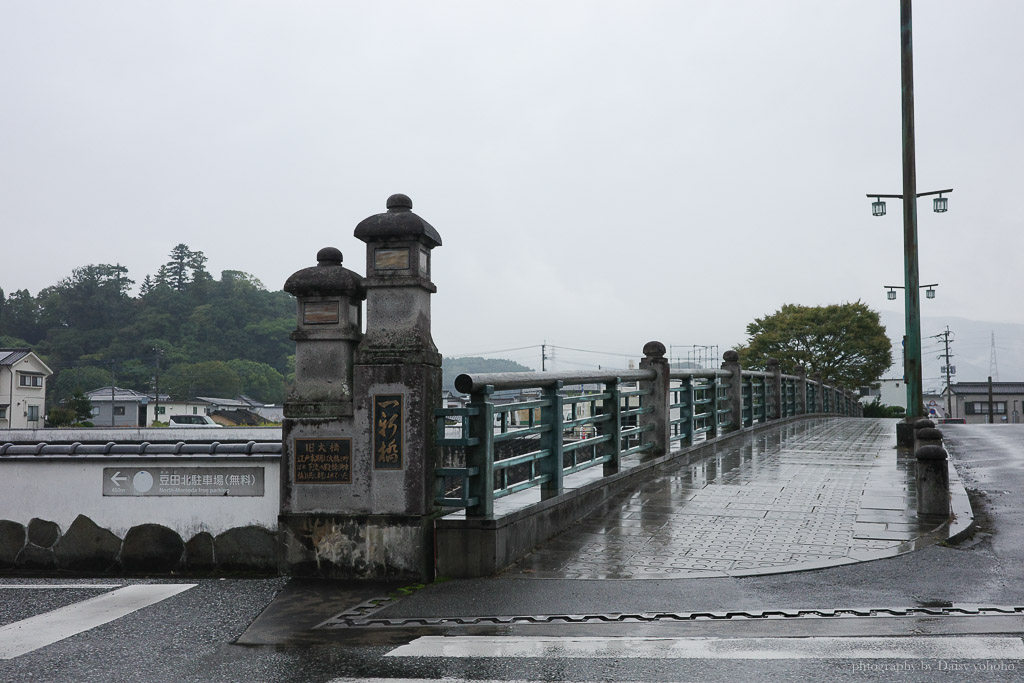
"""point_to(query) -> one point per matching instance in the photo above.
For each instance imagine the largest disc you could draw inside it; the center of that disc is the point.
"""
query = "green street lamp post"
(912, 360)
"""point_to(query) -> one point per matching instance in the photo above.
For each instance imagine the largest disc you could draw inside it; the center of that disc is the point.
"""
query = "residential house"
(22, 389)
(114, 406)
(971, 401)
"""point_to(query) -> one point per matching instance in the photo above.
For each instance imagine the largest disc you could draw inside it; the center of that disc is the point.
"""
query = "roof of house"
(982, 388)
(240, 417)
(12, 356)
(120, 394)
(224, 402)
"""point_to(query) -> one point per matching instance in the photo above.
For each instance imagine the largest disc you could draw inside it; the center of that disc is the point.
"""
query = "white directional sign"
(183, 481)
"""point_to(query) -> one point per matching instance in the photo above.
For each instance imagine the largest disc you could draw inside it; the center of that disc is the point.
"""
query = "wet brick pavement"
(801, 496)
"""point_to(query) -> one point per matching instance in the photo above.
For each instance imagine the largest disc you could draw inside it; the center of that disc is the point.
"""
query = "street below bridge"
(912, 608)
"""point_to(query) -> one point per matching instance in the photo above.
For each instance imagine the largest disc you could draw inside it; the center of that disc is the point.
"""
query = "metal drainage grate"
(360, 616)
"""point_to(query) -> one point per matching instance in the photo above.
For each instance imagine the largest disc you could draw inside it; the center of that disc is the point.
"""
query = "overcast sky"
(601, 173)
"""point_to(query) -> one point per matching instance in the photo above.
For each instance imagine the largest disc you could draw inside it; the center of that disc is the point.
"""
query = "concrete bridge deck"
(804, 495)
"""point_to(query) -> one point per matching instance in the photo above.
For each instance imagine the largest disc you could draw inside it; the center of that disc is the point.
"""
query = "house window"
(3, 412)
(162, 410)
(33, 413)
(31, 380)
(195, 410)
(981, 408)
(95, 411)
(118, 410)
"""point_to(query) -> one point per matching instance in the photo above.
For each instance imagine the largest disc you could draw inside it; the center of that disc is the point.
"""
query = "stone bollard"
(919, 424)
(932, 479)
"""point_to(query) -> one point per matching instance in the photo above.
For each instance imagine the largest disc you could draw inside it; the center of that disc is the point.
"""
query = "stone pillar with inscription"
(318, 482)
(359, 442)
(398, 387)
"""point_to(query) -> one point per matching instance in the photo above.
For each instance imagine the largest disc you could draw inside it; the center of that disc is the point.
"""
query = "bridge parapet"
(521, 431)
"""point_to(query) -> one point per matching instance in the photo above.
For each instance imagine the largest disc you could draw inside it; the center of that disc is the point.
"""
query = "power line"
(486, 353)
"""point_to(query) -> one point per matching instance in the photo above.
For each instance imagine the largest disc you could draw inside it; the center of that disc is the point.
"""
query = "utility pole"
(993, 366)
(949, 371)
(543, 356)
(156, 386)
(111, 393)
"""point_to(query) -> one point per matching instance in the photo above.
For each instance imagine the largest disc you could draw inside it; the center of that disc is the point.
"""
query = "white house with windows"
(22, 389)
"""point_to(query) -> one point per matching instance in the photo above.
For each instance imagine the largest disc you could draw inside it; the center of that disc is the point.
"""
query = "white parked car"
(192, 421)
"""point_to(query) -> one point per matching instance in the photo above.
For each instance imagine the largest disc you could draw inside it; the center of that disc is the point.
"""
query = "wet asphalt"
(266, 629)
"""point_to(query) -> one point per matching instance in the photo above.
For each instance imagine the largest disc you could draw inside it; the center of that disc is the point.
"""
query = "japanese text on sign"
(183, 481)
(387, 432)
(323, 461)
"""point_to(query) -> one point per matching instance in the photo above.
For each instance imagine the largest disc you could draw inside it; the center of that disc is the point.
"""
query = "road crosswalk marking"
(914, 647)
(59, 586)
(45, 629)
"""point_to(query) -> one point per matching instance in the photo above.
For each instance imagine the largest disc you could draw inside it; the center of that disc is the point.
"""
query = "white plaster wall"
(59, 489)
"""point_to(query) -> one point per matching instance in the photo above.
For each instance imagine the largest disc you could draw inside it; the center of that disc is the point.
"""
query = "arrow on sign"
(117, 479)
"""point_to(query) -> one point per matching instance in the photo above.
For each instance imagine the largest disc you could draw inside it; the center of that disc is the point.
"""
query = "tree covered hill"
(192, 333)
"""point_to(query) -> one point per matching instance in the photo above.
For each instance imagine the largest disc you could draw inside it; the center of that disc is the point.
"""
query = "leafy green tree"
(878, 409)
(69, 382)
(208, 378)
(60, 416)
(845, 343)
(81, 406)
(21, 317)
(258, 380)
(177, 268)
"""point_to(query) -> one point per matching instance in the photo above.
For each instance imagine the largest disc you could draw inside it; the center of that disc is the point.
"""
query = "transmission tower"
(993, 366)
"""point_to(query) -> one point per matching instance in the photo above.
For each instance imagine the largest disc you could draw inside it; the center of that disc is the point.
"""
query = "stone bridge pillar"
(658, 419)
(319, 477)
(376, 521)
(731, 363)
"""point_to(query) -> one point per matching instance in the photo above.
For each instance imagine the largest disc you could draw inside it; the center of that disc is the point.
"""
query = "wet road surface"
(881, 620)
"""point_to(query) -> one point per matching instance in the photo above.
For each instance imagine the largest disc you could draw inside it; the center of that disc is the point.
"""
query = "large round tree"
(845, 343)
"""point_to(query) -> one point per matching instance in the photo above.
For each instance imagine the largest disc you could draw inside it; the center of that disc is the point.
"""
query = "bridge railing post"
(776, 408)
(819, 394)
(551, 440)
(801, 391)
(480, 455)
(731, 364)
(612, 448)
(659, 399)
(712, 393)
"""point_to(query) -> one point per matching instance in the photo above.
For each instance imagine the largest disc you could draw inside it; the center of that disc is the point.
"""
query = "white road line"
(55, 586)
(912, 647)
(45, 629)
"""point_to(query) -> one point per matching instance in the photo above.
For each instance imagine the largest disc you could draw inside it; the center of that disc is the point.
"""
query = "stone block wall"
(86, 548)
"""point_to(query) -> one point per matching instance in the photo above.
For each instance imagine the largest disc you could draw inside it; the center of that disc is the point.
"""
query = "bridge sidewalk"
(801, 496)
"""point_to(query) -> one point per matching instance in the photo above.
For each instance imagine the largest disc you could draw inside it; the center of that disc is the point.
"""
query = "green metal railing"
(695, 405)
(556, 424)
(577, 421)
